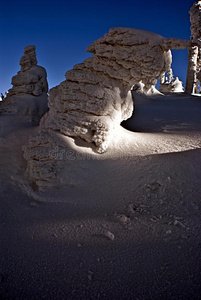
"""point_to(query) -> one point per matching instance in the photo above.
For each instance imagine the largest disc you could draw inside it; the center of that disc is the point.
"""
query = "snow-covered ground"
(124, 224)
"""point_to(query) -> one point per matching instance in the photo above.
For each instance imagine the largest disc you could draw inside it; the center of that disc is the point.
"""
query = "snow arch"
(96, 97)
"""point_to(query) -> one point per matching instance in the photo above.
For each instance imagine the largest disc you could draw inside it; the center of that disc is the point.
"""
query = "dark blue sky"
(62, 29)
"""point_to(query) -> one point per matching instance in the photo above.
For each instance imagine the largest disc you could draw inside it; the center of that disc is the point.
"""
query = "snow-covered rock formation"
(195, 18)
(28, 96)
(31, 79)
(194, 56)
(96, 96)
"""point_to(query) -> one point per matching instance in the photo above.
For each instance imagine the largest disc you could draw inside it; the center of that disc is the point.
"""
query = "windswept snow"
(124, 224)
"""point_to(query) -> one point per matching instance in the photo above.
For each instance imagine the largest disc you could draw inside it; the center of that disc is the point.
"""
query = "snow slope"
(124, 224)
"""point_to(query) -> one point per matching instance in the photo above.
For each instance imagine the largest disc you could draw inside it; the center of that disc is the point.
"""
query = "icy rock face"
(96, 95)
(28, 96)
(31, 79)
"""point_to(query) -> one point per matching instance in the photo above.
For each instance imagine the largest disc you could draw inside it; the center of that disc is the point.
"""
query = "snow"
(96, 95)
(123, 224)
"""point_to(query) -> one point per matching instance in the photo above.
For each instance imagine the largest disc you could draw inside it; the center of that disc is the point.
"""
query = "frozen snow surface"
(123, 224)
(129, 216)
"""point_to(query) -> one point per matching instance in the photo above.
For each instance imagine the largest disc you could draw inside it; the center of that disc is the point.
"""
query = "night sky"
(62, 30)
